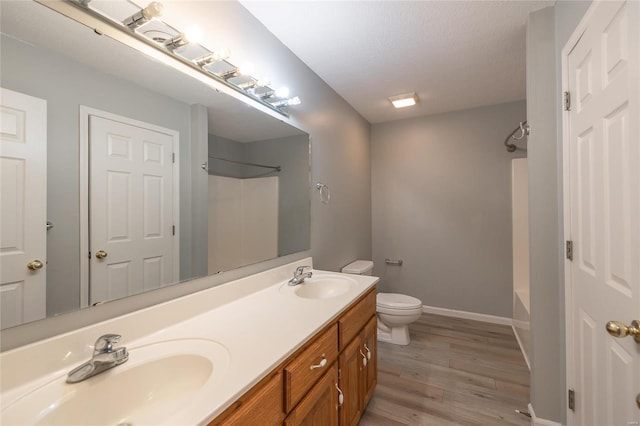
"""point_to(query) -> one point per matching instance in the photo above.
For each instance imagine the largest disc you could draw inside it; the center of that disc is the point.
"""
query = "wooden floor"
(454, 372)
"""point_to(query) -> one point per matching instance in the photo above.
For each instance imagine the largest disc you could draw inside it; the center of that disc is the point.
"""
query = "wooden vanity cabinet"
(320, 404)
(261, 406)
(350, 365)
(370, 371)
(358, 373)
(305, 388)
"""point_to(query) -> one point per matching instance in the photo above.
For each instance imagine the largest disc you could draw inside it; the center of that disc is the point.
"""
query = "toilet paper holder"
(398, 262)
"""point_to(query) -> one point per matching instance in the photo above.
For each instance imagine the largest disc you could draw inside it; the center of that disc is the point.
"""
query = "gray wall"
(547, 32)
(544, 248)
(441, 190)
(340, 231)
(292, 155)
(75, 85)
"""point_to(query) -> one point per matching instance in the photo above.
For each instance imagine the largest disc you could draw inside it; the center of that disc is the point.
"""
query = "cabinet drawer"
(352, 322)
(308, 366)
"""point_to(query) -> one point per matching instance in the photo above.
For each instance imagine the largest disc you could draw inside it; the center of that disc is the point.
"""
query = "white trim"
(85, 112)
(540, 422)
(524, 353)
(467, 315)
(566, 180)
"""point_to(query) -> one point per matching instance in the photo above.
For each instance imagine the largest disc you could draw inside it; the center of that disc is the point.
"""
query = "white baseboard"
(540, 422)
(467, 315)
(524, 353)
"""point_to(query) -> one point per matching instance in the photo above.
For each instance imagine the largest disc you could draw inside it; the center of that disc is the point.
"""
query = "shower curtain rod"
(524, 128)
(276, 168)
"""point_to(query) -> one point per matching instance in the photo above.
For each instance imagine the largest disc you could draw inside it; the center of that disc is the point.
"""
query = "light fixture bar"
(80, 11)
(404, 100)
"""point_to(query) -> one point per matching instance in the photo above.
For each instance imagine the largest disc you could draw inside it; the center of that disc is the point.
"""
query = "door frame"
(85, 112)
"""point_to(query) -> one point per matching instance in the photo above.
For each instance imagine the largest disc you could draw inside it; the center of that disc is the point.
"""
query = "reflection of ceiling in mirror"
(37, 25)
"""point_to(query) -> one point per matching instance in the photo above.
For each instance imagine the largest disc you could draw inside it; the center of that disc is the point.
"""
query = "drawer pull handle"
(320, 364)
(340, 396)
(368, 351)
(364, 358)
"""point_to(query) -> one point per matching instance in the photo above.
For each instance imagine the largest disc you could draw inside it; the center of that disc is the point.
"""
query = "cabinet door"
(263, 407)
(350, 364)
(370, 348)
(320, 405)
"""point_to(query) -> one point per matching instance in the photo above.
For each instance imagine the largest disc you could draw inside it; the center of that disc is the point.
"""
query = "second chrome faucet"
(105, 356)
(299, 275)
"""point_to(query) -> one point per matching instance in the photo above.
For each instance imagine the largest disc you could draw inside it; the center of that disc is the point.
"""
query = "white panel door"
(131, 205)
(23, 208)
(604, 146)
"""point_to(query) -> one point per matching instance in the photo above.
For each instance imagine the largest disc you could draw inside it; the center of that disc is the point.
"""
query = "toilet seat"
(394, 301)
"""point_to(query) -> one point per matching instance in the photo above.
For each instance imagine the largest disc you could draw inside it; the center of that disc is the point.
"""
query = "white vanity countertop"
(260, 323)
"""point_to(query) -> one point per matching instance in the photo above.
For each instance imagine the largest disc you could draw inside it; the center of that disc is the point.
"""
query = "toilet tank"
(359, 267)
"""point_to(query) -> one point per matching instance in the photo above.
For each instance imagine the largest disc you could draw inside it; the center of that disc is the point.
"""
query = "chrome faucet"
(299, 275)
(105, 356)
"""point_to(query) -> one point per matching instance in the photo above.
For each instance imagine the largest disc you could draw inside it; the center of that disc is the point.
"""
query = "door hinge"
(569, 249)
(173, 230)
(572, 400)
(567, 101)
(173, 157)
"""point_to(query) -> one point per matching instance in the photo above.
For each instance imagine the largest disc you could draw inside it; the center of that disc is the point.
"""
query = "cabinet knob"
(340, 396)
(368, 351)
(364, 358)
(321, 364)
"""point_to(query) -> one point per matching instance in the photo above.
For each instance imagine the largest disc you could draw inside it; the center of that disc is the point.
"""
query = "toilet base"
(396, 336)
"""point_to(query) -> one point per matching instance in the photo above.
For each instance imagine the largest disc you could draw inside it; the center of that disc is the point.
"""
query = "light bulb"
(282, 92)
(294, 101)
(193, 34)
(264, 81)
(221, 54)
(247, 68)
(155, 9)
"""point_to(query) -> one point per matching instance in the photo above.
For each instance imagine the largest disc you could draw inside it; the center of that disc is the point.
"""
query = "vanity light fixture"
(263, 82)
(155, 9)
(281, 92)
(163, 38)
(287, 102)
(404, 100)
(193, 35)
(215, 56)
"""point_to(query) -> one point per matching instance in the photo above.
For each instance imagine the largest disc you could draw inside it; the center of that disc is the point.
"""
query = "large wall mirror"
(149, 177)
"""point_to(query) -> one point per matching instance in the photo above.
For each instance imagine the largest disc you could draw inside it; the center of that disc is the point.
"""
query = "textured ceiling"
(453, 54)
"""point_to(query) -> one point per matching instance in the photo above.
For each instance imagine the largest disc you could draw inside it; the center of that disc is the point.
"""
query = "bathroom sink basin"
(159, 381)
(324, 287)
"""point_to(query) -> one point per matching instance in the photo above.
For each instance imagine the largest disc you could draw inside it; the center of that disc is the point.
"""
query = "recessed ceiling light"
(404, 100)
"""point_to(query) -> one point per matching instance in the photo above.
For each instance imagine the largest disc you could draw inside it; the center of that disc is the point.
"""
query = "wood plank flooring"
(454, 372)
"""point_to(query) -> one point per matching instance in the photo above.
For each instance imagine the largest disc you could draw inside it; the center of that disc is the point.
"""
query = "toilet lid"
(397, 301)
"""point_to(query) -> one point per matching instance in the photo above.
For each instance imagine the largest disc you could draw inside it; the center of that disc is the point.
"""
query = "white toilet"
(395, 311)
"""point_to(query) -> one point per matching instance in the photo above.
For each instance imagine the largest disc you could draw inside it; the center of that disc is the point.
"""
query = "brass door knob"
(619, 329)
(35, 265)
(101, 254)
